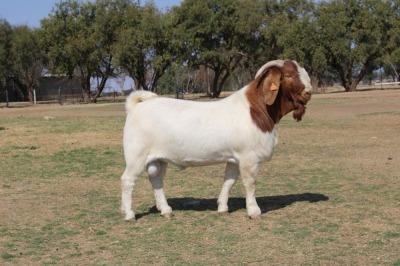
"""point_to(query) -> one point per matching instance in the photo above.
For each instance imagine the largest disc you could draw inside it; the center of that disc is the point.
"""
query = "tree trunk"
(353, 87)
(104, 74)
(100, 88)
(141, 82)
(214, 86)
(30, 95)
(85, 85)
(21, 89)
(314, 81)
(218, 84)
(345, 77)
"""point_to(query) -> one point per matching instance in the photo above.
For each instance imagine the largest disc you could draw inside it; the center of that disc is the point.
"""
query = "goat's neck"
(264, 117)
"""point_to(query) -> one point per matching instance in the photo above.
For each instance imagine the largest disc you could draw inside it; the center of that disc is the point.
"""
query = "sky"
(30, 12)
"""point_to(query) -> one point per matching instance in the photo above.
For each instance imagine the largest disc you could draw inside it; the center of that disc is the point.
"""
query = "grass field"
(330, 195)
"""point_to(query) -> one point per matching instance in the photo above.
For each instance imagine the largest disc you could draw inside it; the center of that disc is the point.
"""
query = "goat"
(239, 130)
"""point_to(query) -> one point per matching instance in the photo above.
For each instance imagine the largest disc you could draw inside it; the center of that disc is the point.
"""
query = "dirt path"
(345, 104)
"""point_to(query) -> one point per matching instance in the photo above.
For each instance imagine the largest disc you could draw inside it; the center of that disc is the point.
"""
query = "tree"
(299, 39)
(26, 60)
(354, 36)
(80, 38)
(144, 45)
(5, 46)
(254, 25)
(108, 19)
(392, 56)
(214, 34)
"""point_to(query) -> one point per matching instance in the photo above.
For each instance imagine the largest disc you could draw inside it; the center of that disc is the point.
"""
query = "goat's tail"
(137, 97)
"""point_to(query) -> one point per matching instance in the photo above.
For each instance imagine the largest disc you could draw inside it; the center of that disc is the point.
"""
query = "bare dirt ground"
(54, 110)
(350, 103)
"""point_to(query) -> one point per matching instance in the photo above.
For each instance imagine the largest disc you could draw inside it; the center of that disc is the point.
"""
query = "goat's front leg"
(156, 171)
(231, 175)
(249, 175)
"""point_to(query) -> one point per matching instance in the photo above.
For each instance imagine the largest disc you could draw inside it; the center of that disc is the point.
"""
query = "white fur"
(305, 79)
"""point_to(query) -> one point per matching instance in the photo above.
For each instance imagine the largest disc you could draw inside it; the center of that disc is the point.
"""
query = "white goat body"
(187, 133)
(159, 131)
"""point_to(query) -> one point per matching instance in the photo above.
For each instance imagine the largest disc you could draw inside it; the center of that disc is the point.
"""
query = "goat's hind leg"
(156, 171)
(231, 175)
(128, 180)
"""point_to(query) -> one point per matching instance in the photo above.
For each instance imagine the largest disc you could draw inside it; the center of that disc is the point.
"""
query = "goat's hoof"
(256, 216)
(130, 217)
(224, 213)
(168, 215)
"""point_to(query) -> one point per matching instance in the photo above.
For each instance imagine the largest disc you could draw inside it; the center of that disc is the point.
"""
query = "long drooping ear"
(271, 84)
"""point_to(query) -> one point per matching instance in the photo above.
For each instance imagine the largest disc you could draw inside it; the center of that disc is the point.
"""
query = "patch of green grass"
(379, 113)
(328, 227)
(100, 233)
(24, 148)
(66, 125)
(392, 234)
(84, 161)
(324, 240)
(7, 256)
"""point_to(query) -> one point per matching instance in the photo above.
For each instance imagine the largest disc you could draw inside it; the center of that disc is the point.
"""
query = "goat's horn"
(278, 63)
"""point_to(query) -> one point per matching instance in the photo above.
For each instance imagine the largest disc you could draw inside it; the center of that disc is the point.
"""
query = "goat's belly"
(194, 161)
(200, 152)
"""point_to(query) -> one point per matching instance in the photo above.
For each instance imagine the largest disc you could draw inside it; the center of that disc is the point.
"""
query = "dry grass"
(330, 195)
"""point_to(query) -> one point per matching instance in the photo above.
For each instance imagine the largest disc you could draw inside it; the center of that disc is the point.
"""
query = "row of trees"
(216, 39)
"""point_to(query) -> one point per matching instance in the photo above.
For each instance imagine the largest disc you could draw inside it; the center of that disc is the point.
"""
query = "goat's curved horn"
(277, 63)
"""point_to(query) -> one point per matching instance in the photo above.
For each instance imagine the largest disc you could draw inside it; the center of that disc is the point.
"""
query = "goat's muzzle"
(304, 97)
(299, 105)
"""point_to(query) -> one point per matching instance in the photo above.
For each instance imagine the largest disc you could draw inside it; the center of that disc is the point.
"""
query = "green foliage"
(299, 37)
(392, 58)
(21, 58)
(337, 39)
(144, 46)
(354, 36)
(27, 59)
(80, 38)
(212, 33)
(5, 45)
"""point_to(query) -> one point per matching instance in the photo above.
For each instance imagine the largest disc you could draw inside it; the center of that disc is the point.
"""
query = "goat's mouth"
(304, 97)
(299, 105)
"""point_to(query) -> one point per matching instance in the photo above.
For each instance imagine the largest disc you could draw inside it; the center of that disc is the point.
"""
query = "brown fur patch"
(265, 113)
(258, 110)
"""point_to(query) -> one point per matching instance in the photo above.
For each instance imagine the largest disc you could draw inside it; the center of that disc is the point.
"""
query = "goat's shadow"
(266, 204)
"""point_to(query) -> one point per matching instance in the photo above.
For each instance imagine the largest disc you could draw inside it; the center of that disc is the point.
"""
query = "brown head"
(278, 88)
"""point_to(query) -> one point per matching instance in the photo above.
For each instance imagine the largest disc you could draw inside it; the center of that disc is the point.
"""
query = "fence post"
(7, 98)
(59, 95)
(34, 97)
